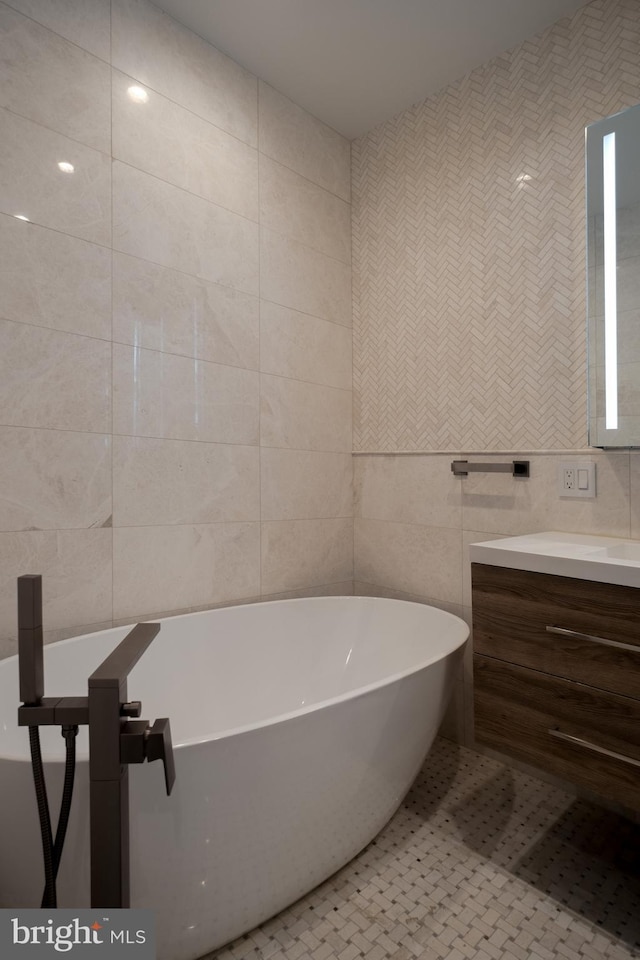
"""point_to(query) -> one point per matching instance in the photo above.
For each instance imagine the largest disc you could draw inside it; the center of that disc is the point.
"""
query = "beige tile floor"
(481, 861)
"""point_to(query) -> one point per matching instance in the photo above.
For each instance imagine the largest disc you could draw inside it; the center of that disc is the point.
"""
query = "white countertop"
(585, 557)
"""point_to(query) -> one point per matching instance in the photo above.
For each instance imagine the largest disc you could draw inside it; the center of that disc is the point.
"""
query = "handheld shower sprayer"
(31, 676)
(30, 640)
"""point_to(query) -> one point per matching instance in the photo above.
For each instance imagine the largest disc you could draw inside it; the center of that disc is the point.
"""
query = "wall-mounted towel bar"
(517, 468)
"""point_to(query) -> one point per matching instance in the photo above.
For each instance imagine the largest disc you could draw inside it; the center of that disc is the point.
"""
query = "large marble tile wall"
(175, 342)
(469, 314)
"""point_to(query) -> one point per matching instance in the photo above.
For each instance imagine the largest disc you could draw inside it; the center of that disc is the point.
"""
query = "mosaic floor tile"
(481, 862)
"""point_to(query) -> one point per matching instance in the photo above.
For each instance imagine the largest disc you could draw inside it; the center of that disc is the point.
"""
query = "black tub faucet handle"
(139, 742)
(160, 747)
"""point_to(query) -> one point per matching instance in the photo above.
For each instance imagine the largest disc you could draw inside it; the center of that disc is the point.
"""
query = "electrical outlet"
(577, 479)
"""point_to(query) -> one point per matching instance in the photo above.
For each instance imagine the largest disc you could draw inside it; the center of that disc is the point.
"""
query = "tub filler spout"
(115, 741)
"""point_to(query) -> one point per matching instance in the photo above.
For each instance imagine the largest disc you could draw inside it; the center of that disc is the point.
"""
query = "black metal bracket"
(55, 712)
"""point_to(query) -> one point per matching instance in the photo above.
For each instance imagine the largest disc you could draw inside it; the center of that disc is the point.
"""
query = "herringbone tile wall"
(469, 246)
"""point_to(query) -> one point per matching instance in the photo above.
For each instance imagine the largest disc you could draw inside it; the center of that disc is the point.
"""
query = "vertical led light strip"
(610, 285)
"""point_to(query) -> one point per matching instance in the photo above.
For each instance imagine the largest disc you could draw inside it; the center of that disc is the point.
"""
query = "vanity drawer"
(594, 634)
(532, 716)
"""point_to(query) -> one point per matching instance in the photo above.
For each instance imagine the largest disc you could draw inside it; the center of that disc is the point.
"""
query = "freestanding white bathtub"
(298, 728)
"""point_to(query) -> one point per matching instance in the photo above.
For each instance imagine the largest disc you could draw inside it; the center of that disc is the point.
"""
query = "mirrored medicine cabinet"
(613, 279)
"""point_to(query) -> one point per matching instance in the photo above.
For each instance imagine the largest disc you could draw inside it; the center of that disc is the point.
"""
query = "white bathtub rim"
(357, 692)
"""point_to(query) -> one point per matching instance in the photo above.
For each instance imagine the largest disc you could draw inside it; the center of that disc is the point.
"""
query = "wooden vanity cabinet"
(557, 676)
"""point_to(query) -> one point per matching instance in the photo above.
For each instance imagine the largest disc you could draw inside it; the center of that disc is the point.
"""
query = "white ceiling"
(355, 63)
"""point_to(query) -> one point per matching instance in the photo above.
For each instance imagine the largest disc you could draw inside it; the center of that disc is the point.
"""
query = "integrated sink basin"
(629, 550)
(582, 556)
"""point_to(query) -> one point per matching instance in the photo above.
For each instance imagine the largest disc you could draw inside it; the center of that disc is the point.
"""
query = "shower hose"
(52, 849)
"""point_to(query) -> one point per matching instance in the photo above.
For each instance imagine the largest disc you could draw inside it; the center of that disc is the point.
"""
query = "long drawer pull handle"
(587, 636)
(593, 747)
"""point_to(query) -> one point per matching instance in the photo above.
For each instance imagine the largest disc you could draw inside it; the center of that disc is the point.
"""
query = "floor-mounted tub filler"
(298, 727)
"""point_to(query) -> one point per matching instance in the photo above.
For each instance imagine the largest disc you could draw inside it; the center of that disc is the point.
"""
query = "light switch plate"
(577, 478)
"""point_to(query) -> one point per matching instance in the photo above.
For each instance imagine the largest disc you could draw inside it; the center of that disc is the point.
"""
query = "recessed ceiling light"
(21, 216)
(66, 167)
(138, 94)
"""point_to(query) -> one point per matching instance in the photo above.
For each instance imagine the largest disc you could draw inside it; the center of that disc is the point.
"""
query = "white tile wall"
(72, 374)
(154, 220)
(298, 276)
(292, 205)
(302, 143)
(162, 54)
(305, 483)
(189, 565)
(50, 279)
(161, 309)
(160, 395)
(296, 553)
(172, 143)
(53, 82)
(304, 416)
(54, 479)
(76, 567)
(141, 447)
(32, 185)
(85, 22)
(302, 347)
(410, 558)
(200, 482)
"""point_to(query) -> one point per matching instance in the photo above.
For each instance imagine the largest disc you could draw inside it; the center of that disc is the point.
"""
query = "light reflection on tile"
(159, 395)
(168, 141)
(32, 185)
(186, 327)
(163, 309)
(159, 52)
